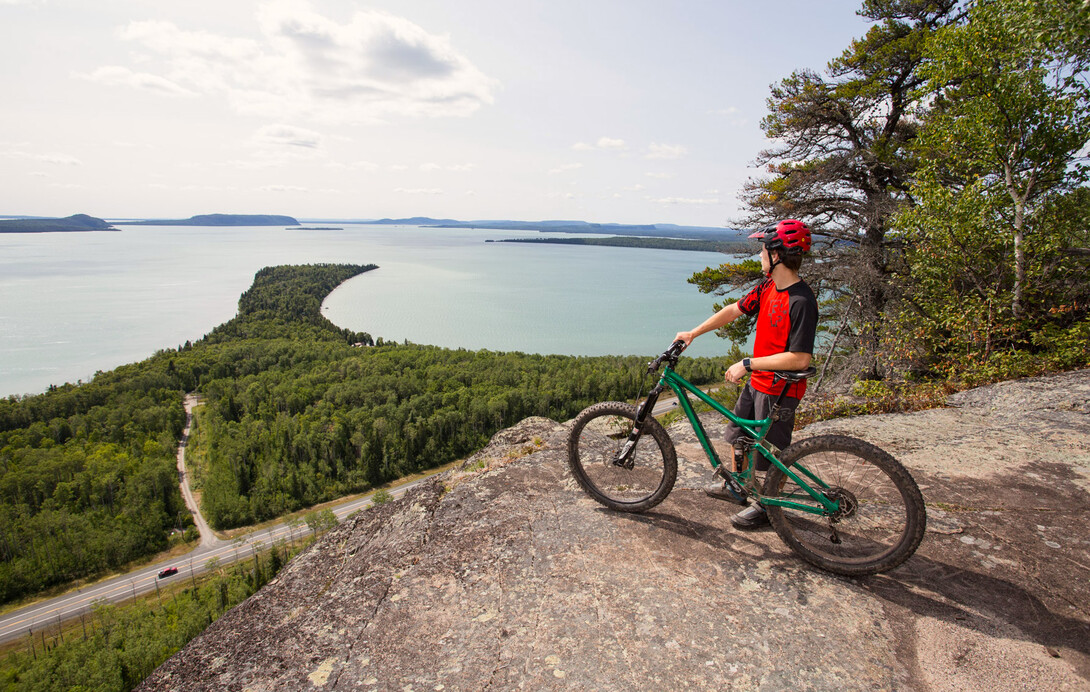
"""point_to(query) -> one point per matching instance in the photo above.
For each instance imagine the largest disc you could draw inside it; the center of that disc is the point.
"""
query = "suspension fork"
(625, 457)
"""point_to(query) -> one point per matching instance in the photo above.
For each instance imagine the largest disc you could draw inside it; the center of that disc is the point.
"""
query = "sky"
(633, 111)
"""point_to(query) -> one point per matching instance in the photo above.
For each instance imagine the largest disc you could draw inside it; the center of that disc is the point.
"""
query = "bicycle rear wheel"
(882, 517)
(597, 437)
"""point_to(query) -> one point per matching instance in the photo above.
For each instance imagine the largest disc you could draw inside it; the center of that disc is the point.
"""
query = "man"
(787, 312)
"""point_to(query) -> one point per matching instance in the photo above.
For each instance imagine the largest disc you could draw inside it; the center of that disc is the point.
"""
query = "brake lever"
(674, 351)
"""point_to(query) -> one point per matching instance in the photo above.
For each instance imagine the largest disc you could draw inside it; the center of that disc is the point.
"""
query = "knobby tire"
(598, 434)
(887, 522)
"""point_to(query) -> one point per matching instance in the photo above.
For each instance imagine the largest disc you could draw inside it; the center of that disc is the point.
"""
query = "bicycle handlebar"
(671, 354)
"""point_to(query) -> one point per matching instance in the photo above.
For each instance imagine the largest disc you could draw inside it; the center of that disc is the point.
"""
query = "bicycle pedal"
(728, 489)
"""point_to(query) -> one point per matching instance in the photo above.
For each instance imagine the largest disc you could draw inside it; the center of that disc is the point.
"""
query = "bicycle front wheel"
(598, 435)
(882, 517)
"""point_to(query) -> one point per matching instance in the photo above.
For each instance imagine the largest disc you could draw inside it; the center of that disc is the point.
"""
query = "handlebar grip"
(673, 352)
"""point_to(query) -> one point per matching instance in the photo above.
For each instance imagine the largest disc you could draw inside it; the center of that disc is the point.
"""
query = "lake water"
(72, 304)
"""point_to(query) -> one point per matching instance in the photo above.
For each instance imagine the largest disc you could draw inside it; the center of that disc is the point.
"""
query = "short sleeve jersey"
(786, 321)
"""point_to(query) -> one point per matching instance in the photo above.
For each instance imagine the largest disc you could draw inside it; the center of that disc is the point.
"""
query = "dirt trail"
(208, 538)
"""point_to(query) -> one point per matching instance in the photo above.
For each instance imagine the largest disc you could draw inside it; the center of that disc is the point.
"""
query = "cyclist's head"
(790, 238)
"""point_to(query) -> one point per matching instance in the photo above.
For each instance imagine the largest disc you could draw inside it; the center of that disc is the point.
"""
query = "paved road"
(125, 587)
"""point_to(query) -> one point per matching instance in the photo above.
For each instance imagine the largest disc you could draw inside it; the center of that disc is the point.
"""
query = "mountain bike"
(840, 503)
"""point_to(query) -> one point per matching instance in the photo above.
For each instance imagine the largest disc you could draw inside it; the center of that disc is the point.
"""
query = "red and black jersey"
(786, 321)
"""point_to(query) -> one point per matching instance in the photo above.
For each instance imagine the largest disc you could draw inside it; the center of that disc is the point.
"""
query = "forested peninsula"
(296, 411)
(76, 223)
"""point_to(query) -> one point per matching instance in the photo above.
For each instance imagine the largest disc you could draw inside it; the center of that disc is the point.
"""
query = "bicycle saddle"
(794, 375)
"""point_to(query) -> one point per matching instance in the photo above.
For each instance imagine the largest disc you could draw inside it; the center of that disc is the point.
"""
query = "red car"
(167, 572)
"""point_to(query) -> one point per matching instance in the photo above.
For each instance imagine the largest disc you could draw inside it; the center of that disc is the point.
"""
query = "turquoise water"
(72, 304)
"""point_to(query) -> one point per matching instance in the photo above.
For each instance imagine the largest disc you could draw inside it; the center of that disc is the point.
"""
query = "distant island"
(219, 220)
(77, 223)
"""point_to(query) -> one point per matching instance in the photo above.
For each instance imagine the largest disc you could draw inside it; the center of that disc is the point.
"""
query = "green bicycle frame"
(758, 430)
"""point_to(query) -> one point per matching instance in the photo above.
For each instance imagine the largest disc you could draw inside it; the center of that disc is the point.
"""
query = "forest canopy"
(295, 411)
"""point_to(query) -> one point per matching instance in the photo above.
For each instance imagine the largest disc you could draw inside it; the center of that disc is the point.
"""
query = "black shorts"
(755, 405)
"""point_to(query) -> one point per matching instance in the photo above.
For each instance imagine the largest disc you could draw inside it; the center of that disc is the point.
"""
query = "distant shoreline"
(59, 230)
(78, 223)
(652, 243)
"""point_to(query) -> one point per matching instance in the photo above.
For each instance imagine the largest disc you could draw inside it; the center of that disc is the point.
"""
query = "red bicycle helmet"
(790, 236)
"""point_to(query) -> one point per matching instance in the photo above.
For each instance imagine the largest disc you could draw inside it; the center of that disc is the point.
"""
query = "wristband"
(745, 364)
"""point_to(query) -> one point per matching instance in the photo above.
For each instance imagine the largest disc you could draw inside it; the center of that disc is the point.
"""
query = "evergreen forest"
(296, 411)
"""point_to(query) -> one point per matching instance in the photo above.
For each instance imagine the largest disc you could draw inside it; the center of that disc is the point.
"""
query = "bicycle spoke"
(881, 517)
(598, 440)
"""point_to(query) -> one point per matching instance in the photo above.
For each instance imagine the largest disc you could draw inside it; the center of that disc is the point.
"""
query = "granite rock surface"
(503, 575)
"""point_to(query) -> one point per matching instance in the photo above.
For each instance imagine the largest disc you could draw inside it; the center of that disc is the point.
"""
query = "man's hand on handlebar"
(687, 337)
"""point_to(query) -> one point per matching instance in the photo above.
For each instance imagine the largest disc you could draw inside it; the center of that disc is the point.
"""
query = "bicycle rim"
(598, 437)
(883, 519)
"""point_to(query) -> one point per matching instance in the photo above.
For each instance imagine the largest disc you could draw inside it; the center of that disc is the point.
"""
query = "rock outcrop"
(503, 575)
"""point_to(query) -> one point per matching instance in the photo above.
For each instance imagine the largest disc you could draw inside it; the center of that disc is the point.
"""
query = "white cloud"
(305, 65)
(455, 168)
(666, 151)
(282, 188)
(202, 188)
(564, 168)
(354, 166)
(115, 75)
(253, 164)
(58, 159)
(603, 143)
(732, 115)
(686, 200)
(398, 167)
(50, 157)
(418, 191)
(660, 176)
(288, 135)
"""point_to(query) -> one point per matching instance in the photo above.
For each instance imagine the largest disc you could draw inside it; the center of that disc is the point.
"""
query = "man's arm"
(719, 319)
(788, 360)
